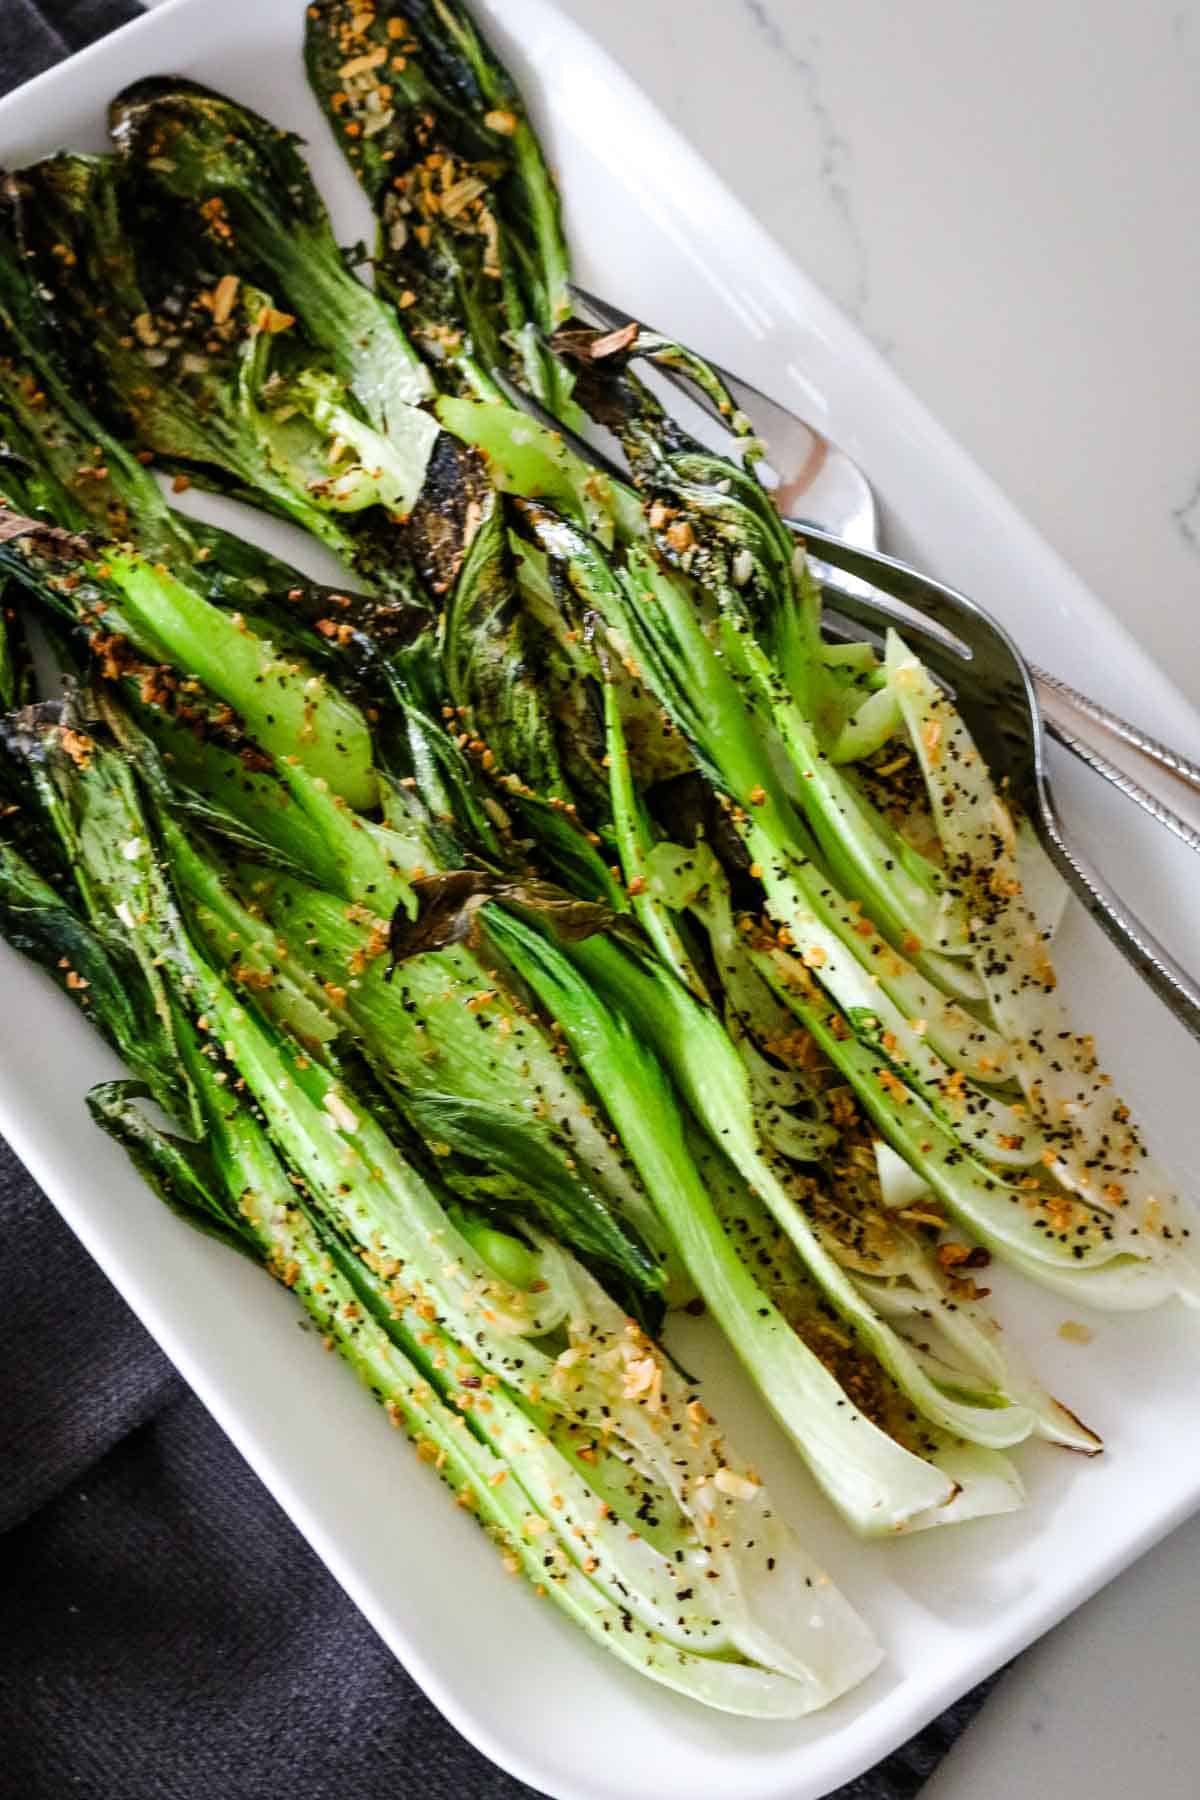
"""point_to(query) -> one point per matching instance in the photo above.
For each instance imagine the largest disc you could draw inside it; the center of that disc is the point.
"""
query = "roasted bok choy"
(590, 1460)
(546, 929)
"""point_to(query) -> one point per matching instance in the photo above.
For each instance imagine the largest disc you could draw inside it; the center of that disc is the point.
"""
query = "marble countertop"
(1002, 196)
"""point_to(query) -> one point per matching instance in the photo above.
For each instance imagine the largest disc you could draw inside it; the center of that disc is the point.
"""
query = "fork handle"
(1158, 779)
(1137, 943)
(1058, 699)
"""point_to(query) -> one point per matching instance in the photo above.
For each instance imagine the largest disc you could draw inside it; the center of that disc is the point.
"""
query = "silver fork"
(996, 692)
(963, 645)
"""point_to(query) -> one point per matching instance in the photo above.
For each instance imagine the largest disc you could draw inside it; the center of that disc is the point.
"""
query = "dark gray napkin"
(164, 1632)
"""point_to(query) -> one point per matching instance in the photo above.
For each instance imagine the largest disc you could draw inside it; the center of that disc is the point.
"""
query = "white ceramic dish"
(653, 226)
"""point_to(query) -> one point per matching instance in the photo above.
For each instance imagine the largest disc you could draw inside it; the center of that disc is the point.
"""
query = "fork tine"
(932, 599)
(605, 314)
(943, 651)
(693, 393)
(937, 651)
(749, 398)
(877, 610)
(994, 718)
(804, 470)
(525, 401)
(613, 318)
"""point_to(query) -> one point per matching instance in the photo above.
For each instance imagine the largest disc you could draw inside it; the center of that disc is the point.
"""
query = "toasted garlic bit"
(224, 295)
(362, 65)
(738, 1487)
(339, 1112)
(1074, 1332)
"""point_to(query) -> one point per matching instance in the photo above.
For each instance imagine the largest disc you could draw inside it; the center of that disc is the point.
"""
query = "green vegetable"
(200, 368)
(1110, 1186)
(106, 587)
(877, 1485)
(491, 1380)
(249, 190)
(549, 927)
(695, 1048)
(527, 458)
(470, 241)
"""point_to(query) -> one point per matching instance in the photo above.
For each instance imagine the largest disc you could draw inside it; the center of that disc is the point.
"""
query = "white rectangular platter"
(654, 228)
